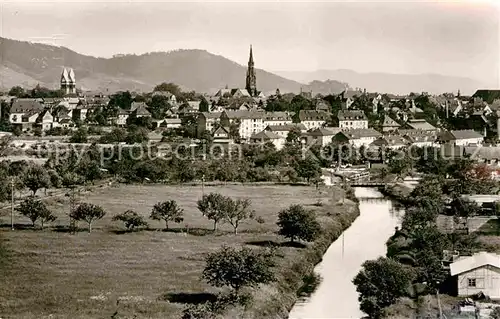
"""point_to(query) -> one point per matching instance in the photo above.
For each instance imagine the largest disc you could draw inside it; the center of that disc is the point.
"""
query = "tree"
(5, 142)
(35, 209)
(167, 211)
(308, 168)
(293, 136)
(17, 91)
(295, 222)
(36, 177)
(169, 87)
(137, 135)
(204, 107)
(211, 206)
(235, 211)
(238, 268)
(79, 136)
(88, 213)
(131, 220)
(380, 283)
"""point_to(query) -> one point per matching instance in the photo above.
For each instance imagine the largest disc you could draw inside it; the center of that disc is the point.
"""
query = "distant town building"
(313, 119)
(352, 119)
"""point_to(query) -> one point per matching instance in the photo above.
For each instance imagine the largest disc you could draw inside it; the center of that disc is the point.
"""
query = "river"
(336, 296)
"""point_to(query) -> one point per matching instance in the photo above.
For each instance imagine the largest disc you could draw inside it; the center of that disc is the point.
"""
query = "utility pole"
(439, 304)
(12, 203)
(203, 185)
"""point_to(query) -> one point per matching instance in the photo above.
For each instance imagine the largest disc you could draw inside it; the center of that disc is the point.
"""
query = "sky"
(450, 38)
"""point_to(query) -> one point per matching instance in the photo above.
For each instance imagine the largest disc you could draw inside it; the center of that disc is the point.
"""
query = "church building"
(68, 81)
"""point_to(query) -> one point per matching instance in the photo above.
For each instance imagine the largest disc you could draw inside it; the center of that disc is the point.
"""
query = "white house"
(172, 123)
(283, 130)
(357, 137)
(277, 118)
(122, 117)
(462, 137)
(477, 273)
(323, 136)
(313, 119)
(392, 141)
(352, 119)
(249, 122)
(21, 107)
(419, 138)
(45, 120)
(267, 136)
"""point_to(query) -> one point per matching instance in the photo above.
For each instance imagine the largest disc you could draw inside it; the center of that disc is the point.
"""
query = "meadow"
(151, 273)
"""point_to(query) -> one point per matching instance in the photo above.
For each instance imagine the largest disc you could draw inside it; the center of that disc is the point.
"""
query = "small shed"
(477, 273)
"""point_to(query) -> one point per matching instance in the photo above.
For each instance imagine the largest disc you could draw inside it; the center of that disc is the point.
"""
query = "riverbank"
(398, 192)
(277, 299)
(155, 273)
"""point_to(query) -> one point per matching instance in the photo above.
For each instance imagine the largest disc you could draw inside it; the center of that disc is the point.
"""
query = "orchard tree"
(308, 168)
(79, 136)
(295, 222)
(131, 219)
(35, 209)
(36, 177)
(167, 211)
(380, 283)
(236, 211)
(212, 207)
(88, 213)
(238, 268)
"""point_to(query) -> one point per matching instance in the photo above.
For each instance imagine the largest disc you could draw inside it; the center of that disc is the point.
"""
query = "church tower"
(68, 81)
(251, 83)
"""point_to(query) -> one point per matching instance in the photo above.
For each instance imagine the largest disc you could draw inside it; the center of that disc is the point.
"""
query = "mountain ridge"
(24, 63)
(391, 82)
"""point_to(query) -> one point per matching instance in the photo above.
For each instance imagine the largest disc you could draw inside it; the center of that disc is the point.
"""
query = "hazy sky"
(418, 37)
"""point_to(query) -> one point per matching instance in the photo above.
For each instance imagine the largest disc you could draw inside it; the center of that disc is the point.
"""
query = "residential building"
(477, 273)
(45, 120)
(352, 119)
(389, 124)
(139, 109)
(268, 136)
(206, 122)
(461, 137)
(393, 141)
(322, 136)
(172, 123)
(277, 118)
(313, 119)
(420, 124)
(249, 122)
(322, 105)
(420, 138)
(283, 130)
(357, 137)
(487, 95)
(221, 133)
(24, 112)
(122, 117)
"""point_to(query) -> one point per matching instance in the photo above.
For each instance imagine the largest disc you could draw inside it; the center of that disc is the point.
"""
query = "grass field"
(61, 275)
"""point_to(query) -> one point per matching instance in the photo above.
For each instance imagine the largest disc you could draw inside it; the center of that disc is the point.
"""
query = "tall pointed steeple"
(251, 81)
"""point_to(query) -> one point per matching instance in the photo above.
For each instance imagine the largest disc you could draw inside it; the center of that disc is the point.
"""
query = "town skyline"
(288, 37)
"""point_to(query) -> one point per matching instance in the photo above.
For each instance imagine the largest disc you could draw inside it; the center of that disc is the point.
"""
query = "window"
(472, 282)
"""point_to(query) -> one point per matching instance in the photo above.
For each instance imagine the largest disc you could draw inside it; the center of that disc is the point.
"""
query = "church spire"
(251, 81)
(250, 60)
